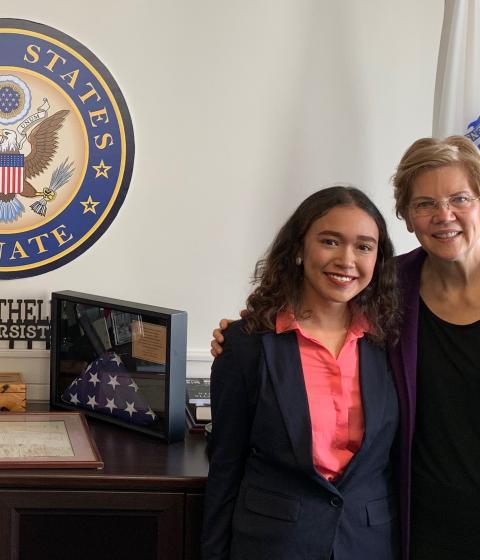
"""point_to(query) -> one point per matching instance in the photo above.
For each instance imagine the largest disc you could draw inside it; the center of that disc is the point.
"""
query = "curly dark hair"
(279, 279)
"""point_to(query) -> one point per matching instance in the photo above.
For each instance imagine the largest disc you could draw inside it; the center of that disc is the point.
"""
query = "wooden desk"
(146, 504)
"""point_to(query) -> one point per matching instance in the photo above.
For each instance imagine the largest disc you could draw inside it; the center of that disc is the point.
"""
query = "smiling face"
(339, 256)
(447, 233)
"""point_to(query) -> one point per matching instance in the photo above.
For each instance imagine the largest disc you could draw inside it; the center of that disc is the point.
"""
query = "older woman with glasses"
(437, 362)
(437, 359)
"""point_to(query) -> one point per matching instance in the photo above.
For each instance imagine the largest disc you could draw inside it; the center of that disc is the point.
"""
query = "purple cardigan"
(403, 359)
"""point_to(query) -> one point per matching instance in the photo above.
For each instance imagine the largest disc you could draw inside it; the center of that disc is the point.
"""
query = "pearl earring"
(298, 261)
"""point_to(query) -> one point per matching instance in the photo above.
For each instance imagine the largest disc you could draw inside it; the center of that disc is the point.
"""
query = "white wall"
(241, 108)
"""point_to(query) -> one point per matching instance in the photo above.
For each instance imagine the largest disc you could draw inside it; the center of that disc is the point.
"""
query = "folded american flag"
(106, 386)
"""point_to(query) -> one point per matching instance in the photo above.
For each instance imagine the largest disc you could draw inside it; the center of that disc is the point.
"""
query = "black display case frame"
(77, 339)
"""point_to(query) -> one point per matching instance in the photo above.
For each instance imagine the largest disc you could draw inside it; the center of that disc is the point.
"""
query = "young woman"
(304, 407)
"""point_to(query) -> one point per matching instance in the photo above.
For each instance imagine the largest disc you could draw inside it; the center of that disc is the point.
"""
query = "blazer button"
(335, 501)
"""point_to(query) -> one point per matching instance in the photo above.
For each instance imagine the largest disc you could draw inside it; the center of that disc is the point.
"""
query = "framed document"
(46, 440)
(119, 361)
(149, 342)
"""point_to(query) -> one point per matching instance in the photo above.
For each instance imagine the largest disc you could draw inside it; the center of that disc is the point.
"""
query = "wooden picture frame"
(46, 440)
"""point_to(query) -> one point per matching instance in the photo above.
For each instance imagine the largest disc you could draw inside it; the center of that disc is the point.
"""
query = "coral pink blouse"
(334, 398)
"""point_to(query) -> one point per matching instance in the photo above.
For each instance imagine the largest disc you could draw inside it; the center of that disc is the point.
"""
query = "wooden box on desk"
(13, 394)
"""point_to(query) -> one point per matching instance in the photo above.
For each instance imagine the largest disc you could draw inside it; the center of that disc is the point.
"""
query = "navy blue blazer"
(264, 498)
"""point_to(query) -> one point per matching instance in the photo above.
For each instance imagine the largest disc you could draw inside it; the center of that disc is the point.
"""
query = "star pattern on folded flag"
(106, 386)
(94, 379)
(113, 381)
(130, 408)
(111, 404)
(91, 401)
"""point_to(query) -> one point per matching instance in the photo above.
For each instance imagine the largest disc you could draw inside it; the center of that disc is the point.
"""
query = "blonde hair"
(431, 153)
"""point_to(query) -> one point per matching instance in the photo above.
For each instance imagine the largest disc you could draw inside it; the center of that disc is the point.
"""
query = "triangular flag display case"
(119, 361)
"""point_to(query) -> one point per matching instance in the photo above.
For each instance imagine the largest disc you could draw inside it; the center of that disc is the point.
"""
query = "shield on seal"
(11, 173)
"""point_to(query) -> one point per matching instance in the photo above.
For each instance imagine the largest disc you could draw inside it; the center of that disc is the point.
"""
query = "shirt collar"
(286, 322)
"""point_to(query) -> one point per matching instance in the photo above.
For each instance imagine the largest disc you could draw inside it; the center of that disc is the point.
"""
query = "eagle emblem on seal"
(17, 170)
(14, 180)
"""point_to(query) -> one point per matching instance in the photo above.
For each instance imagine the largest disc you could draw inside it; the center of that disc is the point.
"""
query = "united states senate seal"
(66, 148)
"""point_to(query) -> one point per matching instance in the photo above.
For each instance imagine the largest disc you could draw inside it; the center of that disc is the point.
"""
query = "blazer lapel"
(408, 341)
(284, 364)
(403, 356)
(373, 386)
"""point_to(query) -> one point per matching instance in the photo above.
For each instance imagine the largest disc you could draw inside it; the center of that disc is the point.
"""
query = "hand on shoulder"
(218, 338)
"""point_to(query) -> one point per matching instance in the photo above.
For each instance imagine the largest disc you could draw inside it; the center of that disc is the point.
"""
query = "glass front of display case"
(112, 362)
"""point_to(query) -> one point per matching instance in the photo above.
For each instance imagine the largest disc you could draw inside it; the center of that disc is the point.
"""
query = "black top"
(446, 451)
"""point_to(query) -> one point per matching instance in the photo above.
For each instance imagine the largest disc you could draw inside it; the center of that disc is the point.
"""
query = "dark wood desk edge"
(57, 479)
(133, 462)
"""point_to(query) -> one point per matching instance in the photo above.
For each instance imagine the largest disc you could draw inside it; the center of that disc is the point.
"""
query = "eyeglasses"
(428, 206)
